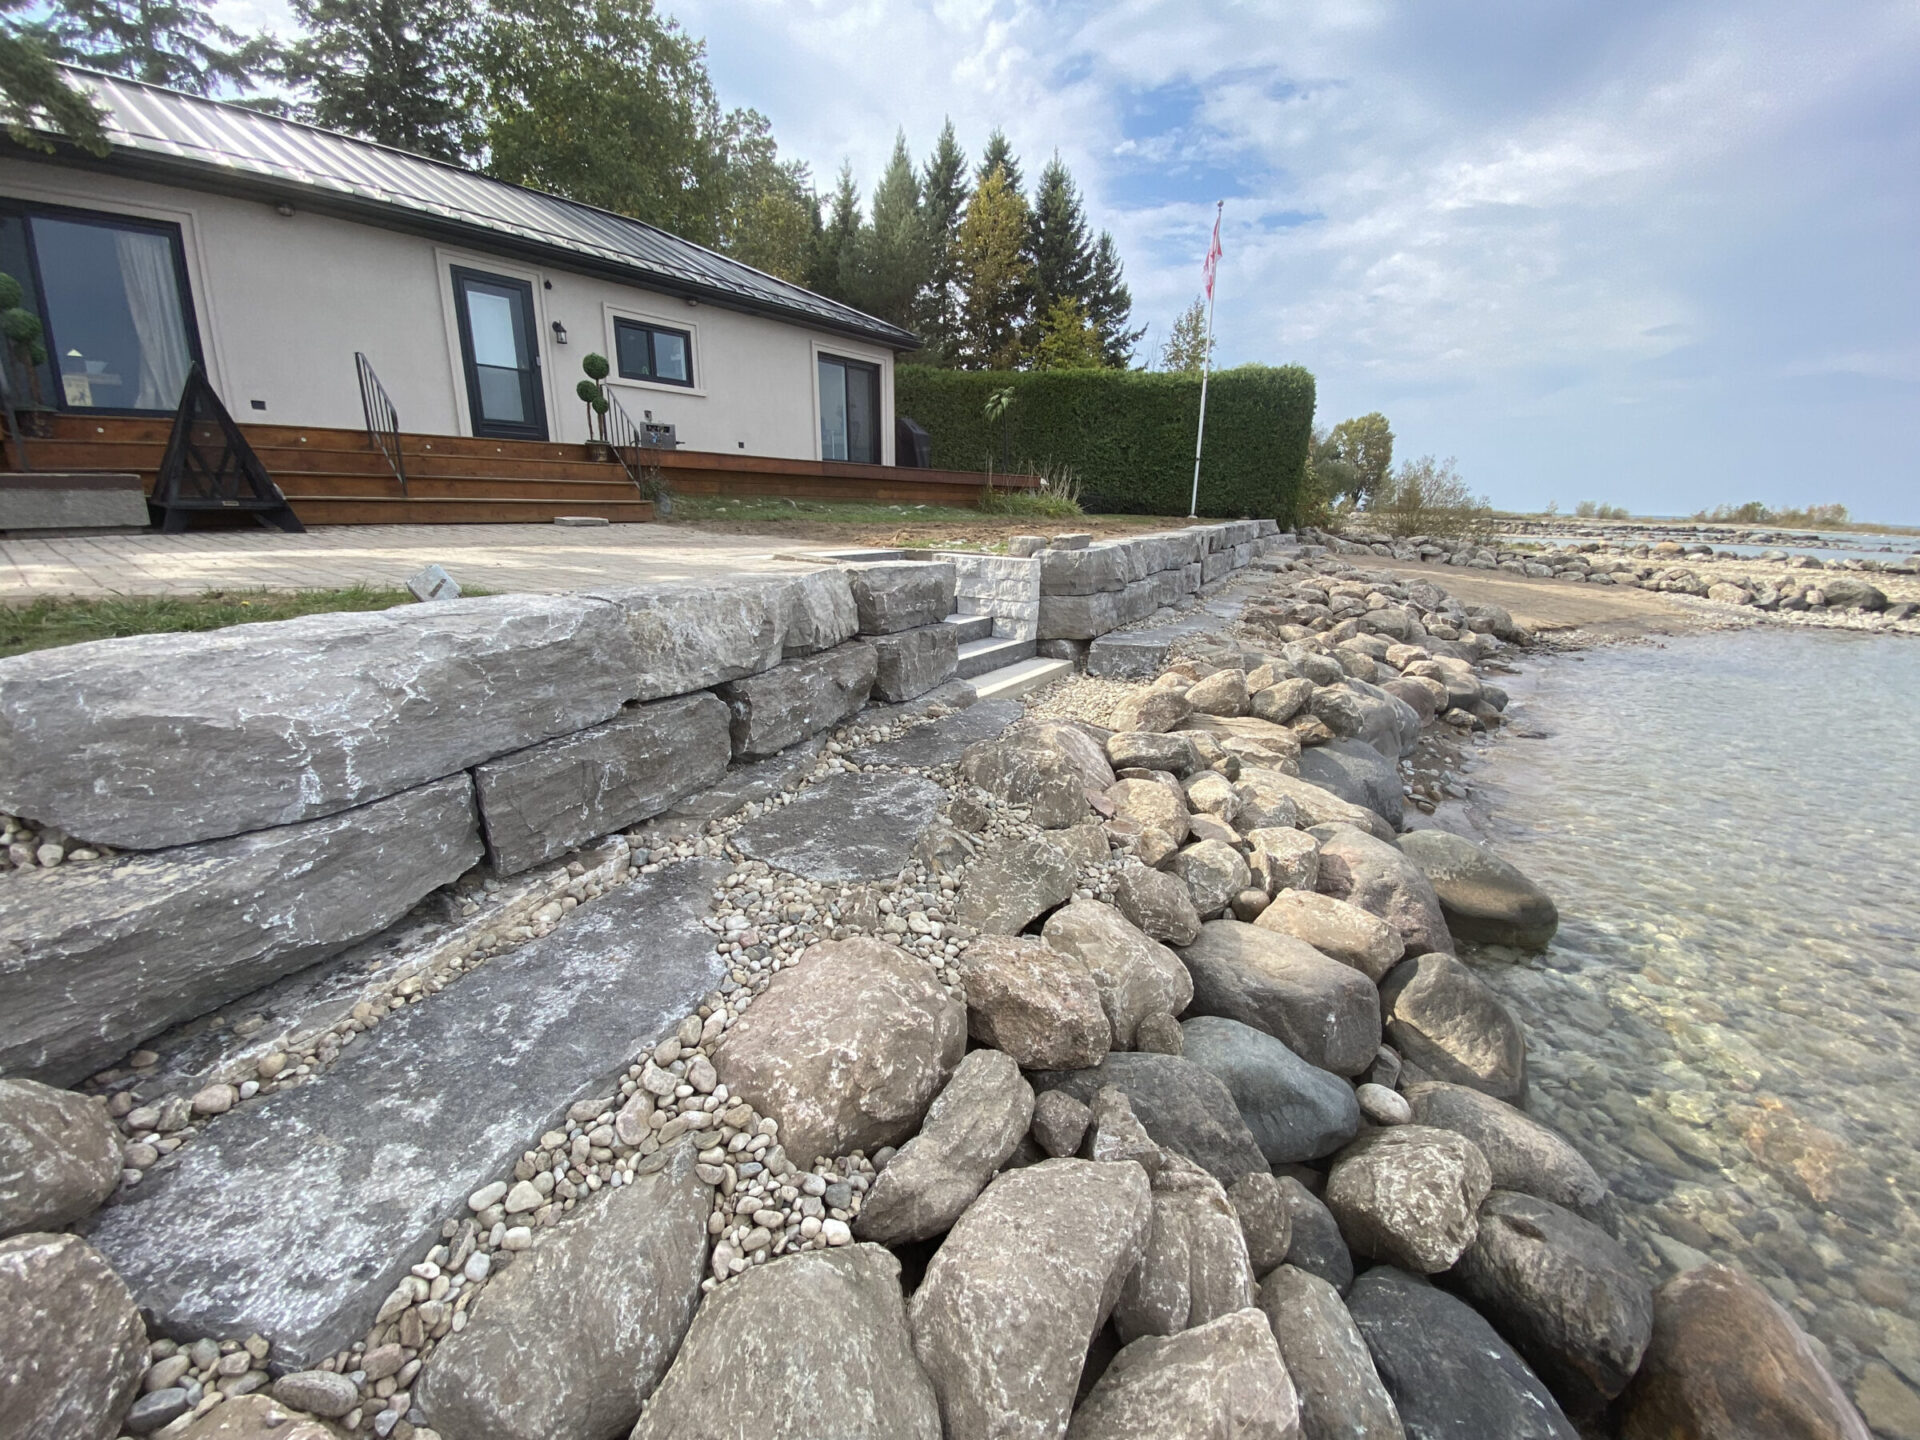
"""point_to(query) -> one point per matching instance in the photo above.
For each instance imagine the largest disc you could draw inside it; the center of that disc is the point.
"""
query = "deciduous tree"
(995, 275)
(1366, 443)
(1187, 344)
(1067, 340)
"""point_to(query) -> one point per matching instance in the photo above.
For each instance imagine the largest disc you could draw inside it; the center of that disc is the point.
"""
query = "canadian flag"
(1213, 254)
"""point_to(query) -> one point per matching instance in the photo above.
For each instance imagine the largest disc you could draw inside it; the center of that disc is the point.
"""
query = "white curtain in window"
(153, 299)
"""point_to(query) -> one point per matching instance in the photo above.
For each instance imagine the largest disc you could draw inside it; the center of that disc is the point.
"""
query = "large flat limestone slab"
(848, 827)
(940, 742)
(95, 958)
(295, 1217)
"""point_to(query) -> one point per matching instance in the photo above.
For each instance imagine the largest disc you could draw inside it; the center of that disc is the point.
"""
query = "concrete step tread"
(971, 627)
(1019, 678)
(982, 657)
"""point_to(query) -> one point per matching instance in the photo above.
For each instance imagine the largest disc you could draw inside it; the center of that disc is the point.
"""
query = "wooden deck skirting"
(337, 477)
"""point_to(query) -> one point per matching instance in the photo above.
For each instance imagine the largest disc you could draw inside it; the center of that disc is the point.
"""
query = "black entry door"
(499, 348)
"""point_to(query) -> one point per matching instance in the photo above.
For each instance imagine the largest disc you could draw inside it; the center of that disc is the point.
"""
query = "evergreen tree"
(1187, 344)
(35, 96)
(943, 200)
(835, 272)
(995, 275)
(1057, 240)
(607, 103)
(999, 156)
(1067, 341)
(176, 43)
(1110, 304)
(396, 71)
(894, 259)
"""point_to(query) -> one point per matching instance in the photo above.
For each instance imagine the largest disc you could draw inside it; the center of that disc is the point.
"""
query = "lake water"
(1729, 1020)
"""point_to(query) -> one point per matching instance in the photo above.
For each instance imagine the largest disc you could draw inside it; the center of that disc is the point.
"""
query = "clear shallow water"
(1729, 1020)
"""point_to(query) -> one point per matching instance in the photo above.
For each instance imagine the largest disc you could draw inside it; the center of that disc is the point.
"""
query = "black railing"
(636, 447)
(383, 421)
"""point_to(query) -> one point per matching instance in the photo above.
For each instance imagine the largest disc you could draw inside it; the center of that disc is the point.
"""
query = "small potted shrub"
(26, 347)
(594, 393)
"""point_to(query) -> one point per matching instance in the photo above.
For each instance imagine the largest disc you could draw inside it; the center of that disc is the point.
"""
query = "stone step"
(296, 1216)
(1017, 679)
(972, 627)
(841, 557)
(982, 657)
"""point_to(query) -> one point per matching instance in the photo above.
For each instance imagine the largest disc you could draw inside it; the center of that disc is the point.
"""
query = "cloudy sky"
(1664, 255)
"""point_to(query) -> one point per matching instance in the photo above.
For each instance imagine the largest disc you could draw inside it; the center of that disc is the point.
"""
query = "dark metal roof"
(230, 147)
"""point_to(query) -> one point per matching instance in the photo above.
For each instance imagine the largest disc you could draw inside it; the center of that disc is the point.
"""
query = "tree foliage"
(1188, 345)
(1366, 443)
(34, 96)
(894, 252)
(176, 43)
(994, 275)
(1067, 339)
(396, 71)
(1427, 497)
(943, 201)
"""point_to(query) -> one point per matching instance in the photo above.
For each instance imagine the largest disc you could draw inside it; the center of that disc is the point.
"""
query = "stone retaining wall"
(291, 788)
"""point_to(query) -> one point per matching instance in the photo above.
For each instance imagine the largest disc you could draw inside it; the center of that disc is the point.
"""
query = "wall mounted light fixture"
(559, 333)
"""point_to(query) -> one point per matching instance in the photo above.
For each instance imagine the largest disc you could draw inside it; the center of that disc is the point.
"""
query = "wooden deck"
(338, 477)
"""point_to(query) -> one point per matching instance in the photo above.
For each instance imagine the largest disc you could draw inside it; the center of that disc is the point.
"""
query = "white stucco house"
(273, 252)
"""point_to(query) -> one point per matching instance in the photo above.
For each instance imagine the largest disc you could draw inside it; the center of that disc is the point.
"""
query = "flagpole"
(1206, 371)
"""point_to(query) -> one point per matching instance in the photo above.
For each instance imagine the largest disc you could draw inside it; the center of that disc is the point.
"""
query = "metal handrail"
(619, 431)
(383, 420)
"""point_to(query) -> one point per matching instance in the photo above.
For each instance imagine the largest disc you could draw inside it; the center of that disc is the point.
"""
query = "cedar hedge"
(1128, 434)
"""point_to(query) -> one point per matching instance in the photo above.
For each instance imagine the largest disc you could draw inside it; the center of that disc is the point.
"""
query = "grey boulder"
(1445, 1019)
(1372, 874)
(1449, 1374)
(1355, 771)
(1522, 1154)
(816, 612)
(1214, 873)
(576, 1333)
(1137, 976)
(1151, 750)
(1006, 889)
(814, 1345)
(1183, 1107)
(74, 1343)
(798, 699)
(970, 1130)
(1158, 904)
(1266, 1221)
(1295, 1110)
(95, 958)
(1317, 1244)
(1409, 1195)
(1341, 1397)
(846, 1049)
(1325, 1012)
(1034, 1002)
(1156, 710)
(546, 800)
(1220, 1381)
(1016, 1292)
(1195, 1266)
(1316, 805)
(912, 662)
(1031, 769)
(59, 1157)
(1482, 896)
(894, 595)
(1566, 1293)
(1335, 928)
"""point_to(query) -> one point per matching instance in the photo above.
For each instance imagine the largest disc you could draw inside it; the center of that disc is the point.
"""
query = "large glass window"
(112, 297)
(653, 352)
(849, 410)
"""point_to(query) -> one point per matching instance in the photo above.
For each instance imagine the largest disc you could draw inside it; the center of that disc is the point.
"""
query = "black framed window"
(112, 295)
(652, 352)
(849, 410)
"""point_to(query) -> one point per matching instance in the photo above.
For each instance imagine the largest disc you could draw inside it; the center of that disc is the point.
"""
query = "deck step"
(1011, 681)
(982, 657)
(971, 627)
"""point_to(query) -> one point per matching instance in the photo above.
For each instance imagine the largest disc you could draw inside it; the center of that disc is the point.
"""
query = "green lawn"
(43, 624)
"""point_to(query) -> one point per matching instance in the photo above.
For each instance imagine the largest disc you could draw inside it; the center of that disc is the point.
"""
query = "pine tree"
(894, 262)
(1057, 239)
(34, 95)
(1187, 344)
(1066, 340)
(999, 156)
(1110, 304)
(943, 200)
(176, 43)
(396, 71)
(995, 275)
(836, 257)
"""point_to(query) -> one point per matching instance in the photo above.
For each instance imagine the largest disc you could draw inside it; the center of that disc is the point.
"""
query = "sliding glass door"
(849, 410)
